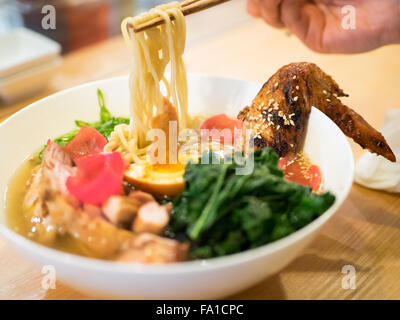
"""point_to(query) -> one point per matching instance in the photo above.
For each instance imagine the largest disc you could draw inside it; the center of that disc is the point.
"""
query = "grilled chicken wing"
(279, 113)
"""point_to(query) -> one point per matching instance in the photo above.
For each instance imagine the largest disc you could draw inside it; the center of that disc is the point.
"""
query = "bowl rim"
(70, 259)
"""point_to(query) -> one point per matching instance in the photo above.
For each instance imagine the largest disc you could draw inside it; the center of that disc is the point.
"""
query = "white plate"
(22, 49)
(28, 129)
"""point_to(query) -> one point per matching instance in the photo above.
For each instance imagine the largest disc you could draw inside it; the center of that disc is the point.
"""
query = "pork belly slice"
(142, 197)
(102, 238)
(121, 210)
(149, 248)
(49, 177)
(54, 211)
(151, 218)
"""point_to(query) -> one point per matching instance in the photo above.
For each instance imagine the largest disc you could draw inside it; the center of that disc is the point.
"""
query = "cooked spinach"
(222, 213)
(105, 125)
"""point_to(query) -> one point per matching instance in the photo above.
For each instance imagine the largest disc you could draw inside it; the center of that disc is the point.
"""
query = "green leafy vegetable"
(67, 137)
(223, 213)
(107, 122)
(105, 125)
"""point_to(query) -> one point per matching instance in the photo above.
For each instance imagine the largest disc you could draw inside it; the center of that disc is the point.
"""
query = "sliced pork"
(121, 210)
(151, 218)
(149, 248)
(49, 177)
(103, 239)
(142, 197)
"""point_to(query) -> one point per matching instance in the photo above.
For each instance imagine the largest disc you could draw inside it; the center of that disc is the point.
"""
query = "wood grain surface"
(365, 232)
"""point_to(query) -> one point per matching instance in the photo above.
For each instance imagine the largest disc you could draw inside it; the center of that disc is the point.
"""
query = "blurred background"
(33, 57)
(79, 22)
(84, 22)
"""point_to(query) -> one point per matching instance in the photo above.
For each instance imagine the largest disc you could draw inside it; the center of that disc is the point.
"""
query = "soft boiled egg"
(167, 179)
(157, 179)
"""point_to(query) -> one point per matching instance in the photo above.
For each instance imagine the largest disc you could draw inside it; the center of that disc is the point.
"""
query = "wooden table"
(365, 233)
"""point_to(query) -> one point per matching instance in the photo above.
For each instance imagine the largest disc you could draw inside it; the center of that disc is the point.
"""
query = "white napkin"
(376, 172)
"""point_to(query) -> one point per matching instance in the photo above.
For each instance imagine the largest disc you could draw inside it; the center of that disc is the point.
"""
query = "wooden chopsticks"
(188, 7)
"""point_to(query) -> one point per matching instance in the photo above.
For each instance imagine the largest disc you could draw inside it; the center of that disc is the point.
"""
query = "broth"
(19, 220)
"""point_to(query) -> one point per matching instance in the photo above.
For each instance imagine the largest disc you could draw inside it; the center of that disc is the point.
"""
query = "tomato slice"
(316, 178)
(88, 141)
(221, 122)
(98, 177)
(307, 176)
(282, 164)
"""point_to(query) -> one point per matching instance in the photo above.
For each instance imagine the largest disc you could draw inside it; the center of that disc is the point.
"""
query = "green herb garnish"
(107, 122)
(105, 125)
(222, 213)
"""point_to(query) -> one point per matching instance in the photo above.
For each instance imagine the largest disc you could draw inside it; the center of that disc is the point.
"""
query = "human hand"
(318, 23)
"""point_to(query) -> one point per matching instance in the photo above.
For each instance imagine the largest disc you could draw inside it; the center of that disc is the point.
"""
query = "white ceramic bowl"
(28, 129)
